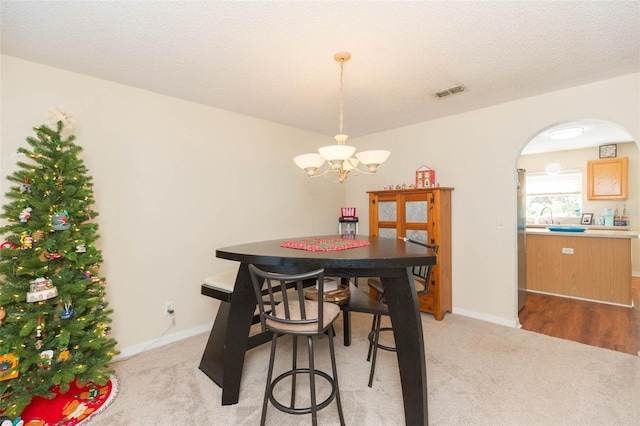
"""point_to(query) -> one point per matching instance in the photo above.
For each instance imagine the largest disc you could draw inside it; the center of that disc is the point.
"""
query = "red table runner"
(324, 244)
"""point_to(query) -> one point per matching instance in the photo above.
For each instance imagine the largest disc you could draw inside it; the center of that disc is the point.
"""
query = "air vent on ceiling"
(450, 91)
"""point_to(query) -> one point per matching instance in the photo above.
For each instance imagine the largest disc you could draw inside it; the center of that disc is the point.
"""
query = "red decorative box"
(425, 177)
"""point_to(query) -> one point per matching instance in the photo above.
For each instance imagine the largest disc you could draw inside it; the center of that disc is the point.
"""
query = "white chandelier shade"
(309, 162)
(312, 162)
(372, 159)
(336, 154)
(340, 156)
(350, 164)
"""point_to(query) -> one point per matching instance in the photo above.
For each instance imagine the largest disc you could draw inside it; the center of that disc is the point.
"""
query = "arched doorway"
(545, 155)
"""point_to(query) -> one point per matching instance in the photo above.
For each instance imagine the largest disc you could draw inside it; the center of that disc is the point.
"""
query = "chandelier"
(339, 157)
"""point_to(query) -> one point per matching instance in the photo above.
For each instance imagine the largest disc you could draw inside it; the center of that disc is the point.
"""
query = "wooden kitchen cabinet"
(595, 268)
(607, 179)
(422, 215)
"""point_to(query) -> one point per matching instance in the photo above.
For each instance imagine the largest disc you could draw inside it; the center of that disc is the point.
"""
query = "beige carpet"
(478, 374)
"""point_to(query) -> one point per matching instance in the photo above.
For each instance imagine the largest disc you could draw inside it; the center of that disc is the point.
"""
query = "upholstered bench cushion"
(220, 286)
(223, 281)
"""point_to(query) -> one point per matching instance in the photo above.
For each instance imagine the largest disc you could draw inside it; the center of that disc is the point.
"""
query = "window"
(561, 192)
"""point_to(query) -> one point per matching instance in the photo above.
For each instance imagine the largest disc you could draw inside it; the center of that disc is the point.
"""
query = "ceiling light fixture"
(553, 169)
(568, 133)
(339, 156)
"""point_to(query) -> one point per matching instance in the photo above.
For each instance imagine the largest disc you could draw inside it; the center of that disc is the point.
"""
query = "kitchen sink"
(566, 228)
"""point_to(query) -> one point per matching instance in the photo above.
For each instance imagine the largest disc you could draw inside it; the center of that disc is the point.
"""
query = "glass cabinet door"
(417, 235)
(416, 217)
(401, 215)
(387, 213)
(416, 211)
(387, 233)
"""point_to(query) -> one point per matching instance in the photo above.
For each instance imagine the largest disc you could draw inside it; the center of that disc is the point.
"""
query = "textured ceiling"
(274, 60)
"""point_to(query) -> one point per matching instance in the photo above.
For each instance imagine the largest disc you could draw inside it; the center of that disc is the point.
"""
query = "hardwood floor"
(596, 324)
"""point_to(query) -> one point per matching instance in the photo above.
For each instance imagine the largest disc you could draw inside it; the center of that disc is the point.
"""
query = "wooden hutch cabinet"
(422, 215)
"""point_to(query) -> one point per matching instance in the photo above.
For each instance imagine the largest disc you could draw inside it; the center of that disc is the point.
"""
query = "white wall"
(477, 154)
(173, 181)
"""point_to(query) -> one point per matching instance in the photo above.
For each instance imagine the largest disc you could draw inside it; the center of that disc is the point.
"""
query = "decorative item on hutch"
(425, 177)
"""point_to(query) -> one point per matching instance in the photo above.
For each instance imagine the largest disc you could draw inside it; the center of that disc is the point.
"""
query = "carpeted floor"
(478, 374)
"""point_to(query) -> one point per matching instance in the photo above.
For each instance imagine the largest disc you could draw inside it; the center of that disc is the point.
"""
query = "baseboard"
(583, 299)
(496, 320)
(161, 341)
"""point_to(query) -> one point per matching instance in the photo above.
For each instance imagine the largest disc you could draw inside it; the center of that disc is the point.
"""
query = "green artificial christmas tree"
(55, 321)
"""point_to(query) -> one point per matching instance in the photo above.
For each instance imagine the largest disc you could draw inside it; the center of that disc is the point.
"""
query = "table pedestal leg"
(402, 302)
(240, 315)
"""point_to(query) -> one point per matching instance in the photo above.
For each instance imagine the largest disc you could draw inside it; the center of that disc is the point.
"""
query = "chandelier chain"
(341, 91)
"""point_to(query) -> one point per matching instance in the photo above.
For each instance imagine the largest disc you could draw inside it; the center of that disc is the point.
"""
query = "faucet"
(550, 212)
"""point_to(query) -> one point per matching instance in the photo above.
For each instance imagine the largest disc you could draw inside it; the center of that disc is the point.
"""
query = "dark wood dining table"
(389, 259)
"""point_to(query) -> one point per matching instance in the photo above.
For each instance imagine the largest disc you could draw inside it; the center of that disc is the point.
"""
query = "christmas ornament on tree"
(26, 240)
(59, 115)
(41, 289)
(8, 364)
(54, 333)
(25, 187)
(25, 214)
(60, 221)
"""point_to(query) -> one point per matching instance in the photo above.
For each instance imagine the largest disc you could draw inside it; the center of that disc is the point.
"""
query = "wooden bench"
(220, 286)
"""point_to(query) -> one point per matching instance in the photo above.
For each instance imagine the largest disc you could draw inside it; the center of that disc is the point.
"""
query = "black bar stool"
(297, 316)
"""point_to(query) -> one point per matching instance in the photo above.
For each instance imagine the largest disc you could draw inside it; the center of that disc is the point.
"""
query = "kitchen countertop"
(601, 232)
(608, 228)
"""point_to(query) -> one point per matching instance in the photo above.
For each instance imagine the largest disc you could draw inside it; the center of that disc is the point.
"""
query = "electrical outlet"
(168, 309)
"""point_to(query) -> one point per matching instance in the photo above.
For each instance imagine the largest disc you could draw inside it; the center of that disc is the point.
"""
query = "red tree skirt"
(75, 407)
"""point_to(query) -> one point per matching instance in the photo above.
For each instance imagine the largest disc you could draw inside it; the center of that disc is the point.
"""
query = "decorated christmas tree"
(55, 320)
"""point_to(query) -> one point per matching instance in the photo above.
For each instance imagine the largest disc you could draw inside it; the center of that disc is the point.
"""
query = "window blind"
(565, 182)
